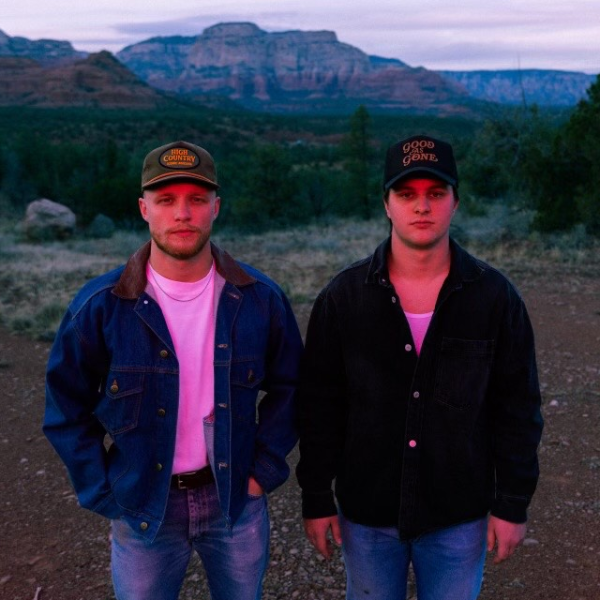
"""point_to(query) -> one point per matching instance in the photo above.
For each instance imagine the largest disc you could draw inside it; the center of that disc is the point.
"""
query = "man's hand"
(254, 488)
(317, 532)
(505, 537)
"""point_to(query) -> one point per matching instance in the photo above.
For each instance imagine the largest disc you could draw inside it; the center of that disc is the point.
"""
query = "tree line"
(284, 171)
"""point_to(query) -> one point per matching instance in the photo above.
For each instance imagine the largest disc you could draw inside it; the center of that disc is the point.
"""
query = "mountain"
(99, 80)
(239, 64)
(45, 52)
(288, 71)
(532, 86)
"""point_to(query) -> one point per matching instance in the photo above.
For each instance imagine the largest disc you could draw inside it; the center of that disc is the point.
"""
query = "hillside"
(99, 80)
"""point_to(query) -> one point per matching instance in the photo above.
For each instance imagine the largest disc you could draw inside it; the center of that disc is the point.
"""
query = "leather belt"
(193, 479)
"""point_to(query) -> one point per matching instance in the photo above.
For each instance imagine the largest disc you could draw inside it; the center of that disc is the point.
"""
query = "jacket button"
(164, 354)
(159, 467)
(394, 300)
(143, 526)
(416, 395)
(114, 388)
(223, 465)
(412, 444)
(162, 412)
(251, 377)
(222, 346)
(408, 347)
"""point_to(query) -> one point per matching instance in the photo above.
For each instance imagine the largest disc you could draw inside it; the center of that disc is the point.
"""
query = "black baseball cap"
(420, 153)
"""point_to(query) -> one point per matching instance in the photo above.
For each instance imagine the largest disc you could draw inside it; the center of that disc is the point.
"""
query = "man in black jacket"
(420, 398)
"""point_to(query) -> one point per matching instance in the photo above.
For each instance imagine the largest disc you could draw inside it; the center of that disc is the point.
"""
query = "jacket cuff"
(510, 508)
(316, 505)
(268, 477)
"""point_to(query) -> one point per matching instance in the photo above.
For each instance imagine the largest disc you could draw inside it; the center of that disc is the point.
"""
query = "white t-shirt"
(188, 309)
(419, 323)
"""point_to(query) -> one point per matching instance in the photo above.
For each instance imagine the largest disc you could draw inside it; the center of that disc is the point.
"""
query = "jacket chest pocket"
(247, 377)
(463, 372)
(119, 410)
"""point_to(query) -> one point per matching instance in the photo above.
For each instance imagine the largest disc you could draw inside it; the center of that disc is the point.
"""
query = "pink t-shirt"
(188, 309)
(419, 324)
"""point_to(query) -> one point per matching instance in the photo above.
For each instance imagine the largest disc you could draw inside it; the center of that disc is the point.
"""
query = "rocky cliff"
(532, 86)
(288, 71)
(99, 80)
(45, 52)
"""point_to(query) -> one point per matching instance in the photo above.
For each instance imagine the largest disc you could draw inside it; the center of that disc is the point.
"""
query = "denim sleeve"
(73, 380)
(321, 411)
(277, 432)
(516, 416)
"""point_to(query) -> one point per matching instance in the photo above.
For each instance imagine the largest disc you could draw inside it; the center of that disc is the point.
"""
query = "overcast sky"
(436, 34)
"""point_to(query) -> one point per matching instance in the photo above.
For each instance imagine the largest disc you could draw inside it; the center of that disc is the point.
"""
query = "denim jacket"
(423, 441)
(113, 386)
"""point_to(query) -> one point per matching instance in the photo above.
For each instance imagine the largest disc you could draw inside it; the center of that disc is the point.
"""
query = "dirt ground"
(52, 550)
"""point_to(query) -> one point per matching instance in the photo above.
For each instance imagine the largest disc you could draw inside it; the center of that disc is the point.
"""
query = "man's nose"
(183, 211)
(422, 203)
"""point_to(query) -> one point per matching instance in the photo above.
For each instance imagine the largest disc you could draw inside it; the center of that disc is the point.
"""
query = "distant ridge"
(45, 52)
(240, 65)
(529, 86)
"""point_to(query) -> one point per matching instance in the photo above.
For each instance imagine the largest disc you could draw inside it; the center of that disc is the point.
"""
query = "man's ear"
(143, 208)
(385, 205)
(216, 207)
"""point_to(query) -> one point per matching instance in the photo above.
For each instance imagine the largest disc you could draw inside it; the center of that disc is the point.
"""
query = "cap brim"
(439, 175)
(179, 175)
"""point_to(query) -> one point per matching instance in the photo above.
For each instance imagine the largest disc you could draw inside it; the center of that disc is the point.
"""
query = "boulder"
(48, 220)
(101, 227)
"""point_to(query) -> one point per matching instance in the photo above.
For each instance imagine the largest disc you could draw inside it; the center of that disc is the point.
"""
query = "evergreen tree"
(582, 145)
(357, 145)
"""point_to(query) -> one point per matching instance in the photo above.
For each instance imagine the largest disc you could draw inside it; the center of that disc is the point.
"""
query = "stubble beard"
(182, 253)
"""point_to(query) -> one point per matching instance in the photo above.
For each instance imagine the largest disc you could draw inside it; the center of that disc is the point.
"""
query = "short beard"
(183, 254)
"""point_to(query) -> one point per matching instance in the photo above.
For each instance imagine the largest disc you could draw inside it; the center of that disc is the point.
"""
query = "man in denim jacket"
(151, 397)
(419, 396)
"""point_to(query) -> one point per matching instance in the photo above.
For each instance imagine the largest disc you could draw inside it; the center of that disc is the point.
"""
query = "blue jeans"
(235, 559)
(448, 563)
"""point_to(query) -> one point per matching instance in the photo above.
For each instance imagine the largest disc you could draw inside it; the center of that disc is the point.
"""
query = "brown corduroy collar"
(133, 280)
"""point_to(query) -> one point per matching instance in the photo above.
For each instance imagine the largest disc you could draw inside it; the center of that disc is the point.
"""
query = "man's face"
(421, 211)
(180, 217)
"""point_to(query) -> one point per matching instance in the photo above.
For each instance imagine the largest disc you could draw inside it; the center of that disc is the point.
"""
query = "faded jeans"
(448, 563)
(235, 559)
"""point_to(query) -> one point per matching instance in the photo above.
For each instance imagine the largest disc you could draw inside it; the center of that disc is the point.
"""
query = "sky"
(458, 35)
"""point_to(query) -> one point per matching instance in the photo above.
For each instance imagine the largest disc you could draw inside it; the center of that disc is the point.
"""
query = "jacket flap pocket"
(247, 373)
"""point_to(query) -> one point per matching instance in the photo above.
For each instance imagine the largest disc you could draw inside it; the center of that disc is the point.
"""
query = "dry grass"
(37, 281)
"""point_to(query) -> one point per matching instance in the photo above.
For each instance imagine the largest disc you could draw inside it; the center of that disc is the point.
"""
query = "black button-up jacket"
(421, 442)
